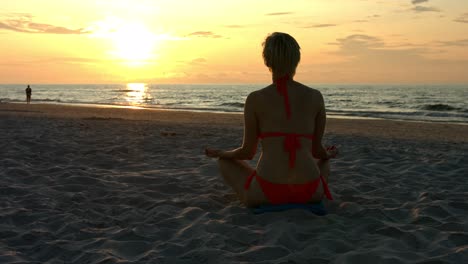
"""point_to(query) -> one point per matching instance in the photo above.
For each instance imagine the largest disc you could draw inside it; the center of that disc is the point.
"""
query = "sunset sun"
(133, 43)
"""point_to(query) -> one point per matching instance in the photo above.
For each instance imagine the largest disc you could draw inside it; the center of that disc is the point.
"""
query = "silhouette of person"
(295, 167)
(28, 94)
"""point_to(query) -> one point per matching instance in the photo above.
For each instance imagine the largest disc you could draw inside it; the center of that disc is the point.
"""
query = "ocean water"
(433, 103)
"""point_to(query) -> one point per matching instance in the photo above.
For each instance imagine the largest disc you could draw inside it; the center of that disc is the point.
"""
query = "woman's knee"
(232, 164)
(324, 167)
(228, 169)
(224, 163)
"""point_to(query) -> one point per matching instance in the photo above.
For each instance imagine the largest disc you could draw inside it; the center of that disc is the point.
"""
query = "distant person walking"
(28, 94)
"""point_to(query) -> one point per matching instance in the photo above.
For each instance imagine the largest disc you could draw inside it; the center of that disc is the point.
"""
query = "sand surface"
(112, 185)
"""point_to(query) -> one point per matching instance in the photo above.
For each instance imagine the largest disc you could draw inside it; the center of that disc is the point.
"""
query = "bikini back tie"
(282, 88)
(291, 143)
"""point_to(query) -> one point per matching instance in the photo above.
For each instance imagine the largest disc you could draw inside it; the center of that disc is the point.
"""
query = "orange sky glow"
(342, 41)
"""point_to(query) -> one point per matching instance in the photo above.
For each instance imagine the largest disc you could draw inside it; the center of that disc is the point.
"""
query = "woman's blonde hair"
(281, 54)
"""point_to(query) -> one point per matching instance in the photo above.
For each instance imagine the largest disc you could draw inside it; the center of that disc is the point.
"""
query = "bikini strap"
(326, 190)
(291, 145)
(282, 88)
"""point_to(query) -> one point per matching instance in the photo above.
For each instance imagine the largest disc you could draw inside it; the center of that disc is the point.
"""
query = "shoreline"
(367, 127)
(331, 113)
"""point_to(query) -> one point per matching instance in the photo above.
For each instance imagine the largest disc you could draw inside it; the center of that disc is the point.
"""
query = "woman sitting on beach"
(289, 118)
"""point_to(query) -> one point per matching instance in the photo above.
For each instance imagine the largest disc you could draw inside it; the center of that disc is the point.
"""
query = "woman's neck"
(276, 77)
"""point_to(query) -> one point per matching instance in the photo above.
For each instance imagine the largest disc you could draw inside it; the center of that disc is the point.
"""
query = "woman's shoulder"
(262, 92)
(266, 89)
(308, 90)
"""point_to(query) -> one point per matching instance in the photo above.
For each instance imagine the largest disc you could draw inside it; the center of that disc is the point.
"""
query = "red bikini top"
(282, 88)
(291, 140)
(291, 143)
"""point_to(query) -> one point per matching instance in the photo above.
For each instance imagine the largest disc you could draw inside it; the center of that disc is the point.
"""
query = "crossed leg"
(235, 174)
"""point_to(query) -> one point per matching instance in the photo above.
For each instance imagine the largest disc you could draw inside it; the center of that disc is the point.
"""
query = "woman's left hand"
(213, 153)
(332, 152)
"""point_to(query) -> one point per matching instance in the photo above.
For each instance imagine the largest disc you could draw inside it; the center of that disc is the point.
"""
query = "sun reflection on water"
(138, 94)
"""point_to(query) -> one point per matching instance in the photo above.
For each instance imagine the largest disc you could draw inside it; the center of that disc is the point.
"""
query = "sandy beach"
(119, 185)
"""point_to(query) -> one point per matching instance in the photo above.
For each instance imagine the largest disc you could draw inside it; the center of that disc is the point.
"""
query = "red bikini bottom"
(284, 193)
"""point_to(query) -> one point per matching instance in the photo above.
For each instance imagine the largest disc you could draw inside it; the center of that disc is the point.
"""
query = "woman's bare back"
(305, 104)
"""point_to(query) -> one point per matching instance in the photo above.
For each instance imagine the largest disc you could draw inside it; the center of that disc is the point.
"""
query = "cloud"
(46, 28)
(360, 41)
(421, 9)
(198, 62)
(56, 61)
(415, 2)
(455, 43)
(204, 34)
(8, 27)
(462, 18)
(321, 25)
(367, 51)
(279, 13)
(235, 26)
(23, 23)
(367, 48)
(368, 18)
(370, 58)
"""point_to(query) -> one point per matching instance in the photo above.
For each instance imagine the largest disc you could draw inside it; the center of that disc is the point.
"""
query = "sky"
(220, 41)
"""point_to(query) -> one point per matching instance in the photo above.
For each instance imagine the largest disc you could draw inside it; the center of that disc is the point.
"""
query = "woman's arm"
(250, 141)
(318, 151)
